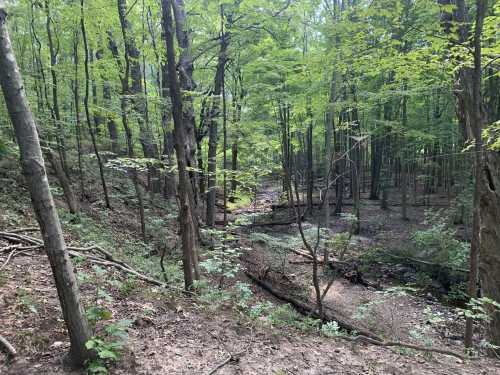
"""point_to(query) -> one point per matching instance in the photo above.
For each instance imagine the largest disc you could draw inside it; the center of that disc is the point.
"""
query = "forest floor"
(171, 333)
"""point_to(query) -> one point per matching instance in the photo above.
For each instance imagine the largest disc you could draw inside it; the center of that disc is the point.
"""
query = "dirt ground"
(172, 334)
(175, 337)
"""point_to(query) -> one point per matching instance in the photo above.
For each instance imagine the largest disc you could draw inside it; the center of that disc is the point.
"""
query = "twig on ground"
(7, 346)
(230, 358)
(20, 238)
(20, 230)
(12, 253)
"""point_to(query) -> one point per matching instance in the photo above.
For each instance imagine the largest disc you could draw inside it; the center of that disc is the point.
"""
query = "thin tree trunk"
(41, 197)
(212, 132)
(86, 106)
(188, 85)
(78, 122)
(55, 99)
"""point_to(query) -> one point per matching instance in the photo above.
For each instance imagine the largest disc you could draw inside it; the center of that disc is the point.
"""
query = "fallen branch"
(7, 347)
(409, 346)
(363, 335)
(122, 266)
(20, 230)
(74, 251)
(424, 262)
(230, 358)
(12, 253)
(7, 249)
(304, 309)
(15, 237)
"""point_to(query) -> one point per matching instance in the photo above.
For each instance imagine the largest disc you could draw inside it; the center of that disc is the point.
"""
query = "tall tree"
(34, 170)
(187, 219)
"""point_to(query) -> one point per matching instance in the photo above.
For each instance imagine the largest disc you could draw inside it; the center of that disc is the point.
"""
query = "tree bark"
(86, 106)
(61, 146)
(212, 131)
(188, 85)
(187, 221)
(41, 197)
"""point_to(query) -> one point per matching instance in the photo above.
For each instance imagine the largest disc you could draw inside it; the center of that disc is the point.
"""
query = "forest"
(250, 187)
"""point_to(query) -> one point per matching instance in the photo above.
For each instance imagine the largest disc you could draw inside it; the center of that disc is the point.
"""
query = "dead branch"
(109, 260)
(20, 230)
(361, 338)
(16, 247)
(7, 347)
(424, 262)
(12, 253)
(363, 335)
(122, 266)
(305, 309)
(15, 237)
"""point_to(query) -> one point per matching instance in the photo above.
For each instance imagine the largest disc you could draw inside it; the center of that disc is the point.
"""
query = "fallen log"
(349, 271)
(305, 309)
(423, 262)
(362, 334)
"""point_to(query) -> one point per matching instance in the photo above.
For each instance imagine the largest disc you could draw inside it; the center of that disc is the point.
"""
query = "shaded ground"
(174, 335)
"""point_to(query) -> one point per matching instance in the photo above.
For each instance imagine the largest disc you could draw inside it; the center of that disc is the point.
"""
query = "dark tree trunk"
(187, 84)
(112, 128)
(78, 122)
(168, 137)
(187, 220)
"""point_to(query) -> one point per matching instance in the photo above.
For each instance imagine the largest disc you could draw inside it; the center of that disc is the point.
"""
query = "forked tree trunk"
(188, 85)
(187, 221)
(41, 197)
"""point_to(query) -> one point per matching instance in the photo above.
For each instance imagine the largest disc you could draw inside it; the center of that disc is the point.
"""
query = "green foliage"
(438, 243)
(491, 136)
(26, 301)
(339, 242)
(481, 309)
(107, 346)
(109, 342)
(221, 260)
(331, 329)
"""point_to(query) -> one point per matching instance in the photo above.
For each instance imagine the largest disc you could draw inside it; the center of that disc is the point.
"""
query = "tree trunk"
(188, 85)
(187, 220)
(41, 197)
(212, 132)
(87, 112)
(55, 99)
(78, 122)
(169, 189)
(112, 128)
